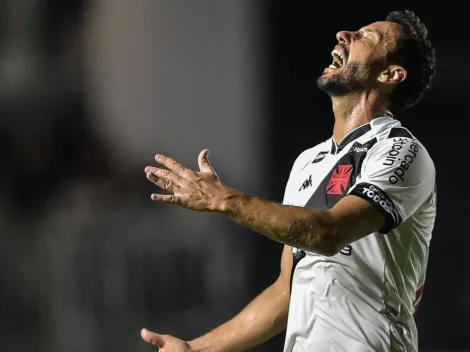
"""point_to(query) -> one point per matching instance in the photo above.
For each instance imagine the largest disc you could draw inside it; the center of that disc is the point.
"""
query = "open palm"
(165, 343)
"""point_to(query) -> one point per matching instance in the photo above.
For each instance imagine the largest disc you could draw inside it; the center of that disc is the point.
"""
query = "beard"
(354, 77)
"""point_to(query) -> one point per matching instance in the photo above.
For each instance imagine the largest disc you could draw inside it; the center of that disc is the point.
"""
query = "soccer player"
(358, 210)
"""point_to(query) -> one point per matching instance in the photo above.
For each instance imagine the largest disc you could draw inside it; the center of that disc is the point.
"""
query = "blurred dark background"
(91, 90)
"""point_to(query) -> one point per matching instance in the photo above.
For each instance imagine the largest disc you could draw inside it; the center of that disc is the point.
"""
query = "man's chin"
(331, 75)
(343, 81)
(332, 85)
(326, 81)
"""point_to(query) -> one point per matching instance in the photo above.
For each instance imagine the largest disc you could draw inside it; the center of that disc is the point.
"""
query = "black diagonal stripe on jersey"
(297, 256)
(399, 132)
(379, 199)
(349, 138)
(321, 199)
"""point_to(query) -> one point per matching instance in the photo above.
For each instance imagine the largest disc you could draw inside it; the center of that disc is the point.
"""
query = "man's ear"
(392, 75)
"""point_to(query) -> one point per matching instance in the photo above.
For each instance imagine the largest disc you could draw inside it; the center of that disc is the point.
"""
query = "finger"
(156, 180)
(204, 164)
(164, 198)
(171, 164)
(165, 175)
(153, 338)
(203, 161)
(163, 184)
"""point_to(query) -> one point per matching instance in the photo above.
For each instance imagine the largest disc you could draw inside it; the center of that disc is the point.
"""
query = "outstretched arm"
(321, 231)
(263, 318)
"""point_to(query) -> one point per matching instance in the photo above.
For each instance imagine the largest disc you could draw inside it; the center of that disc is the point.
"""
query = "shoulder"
(309, 155)
(397, 141)
(398, 152)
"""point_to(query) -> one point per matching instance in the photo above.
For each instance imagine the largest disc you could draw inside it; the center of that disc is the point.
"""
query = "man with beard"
(357, 215)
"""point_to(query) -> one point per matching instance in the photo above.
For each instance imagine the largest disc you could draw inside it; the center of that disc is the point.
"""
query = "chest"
(327, 177)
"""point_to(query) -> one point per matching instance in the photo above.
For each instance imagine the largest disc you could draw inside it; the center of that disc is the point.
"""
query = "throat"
(343, 128)
(353, 112)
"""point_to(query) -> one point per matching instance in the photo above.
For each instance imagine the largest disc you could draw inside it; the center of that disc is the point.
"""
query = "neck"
(354, 110)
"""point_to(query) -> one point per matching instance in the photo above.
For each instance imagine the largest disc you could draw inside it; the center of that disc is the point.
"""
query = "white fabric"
(362, 299)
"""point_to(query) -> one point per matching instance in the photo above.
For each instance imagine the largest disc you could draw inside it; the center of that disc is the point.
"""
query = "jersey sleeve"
(397, 176)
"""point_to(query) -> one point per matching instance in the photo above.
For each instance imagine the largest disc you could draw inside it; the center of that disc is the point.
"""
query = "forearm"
(299, 227)
(263, 318)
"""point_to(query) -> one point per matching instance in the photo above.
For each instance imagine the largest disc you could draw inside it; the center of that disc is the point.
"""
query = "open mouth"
(339, 59)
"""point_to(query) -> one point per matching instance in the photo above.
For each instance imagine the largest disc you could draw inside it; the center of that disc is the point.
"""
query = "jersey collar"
(375, 124)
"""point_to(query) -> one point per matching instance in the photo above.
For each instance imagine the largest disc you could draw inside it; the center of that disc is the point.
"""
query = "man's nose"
(344, 37)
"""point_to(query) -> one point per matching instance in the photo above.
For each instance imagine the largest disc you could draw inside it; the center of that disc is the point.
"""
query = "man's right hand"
(263, 318)
(165, 343)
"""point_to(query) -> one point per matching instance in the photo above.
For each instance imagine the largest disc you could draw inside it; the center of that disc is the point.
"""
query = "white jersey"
(363, 298)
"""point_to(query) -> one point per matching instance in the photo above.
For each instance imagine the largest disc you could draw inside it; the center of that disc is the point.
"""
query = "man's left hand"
(166, 343)
(201, 191)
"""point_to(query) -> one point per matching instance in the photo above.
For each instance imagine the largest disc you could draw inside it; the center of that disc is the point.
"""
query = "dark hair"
(415, 53)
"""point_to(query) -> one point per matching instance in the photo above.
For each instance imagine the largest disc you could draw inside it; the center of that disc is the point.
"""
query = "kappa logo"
(339, 179)
(307, 183)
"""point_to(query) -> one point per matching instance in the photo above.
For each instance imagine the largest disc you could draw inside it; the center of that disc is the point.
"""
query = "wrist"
(197, 346)
(229, 202)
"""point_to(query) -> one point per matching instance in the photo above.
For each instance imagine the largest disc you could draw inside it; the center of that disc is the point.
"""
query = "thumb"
(203, 161)
(153, 338)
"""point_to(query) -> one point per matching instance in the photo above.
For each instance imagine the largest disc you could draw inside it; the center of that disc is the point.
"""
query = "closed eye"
(370, 34)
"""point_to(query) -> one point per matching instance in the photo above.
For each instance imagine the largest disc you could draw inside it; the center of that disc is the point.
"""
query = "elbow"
(325, 235)
(327, 247)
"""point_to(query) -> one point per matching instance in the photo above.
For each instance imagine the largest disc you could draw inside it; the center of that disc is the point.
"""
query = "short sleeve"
(397, 176)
